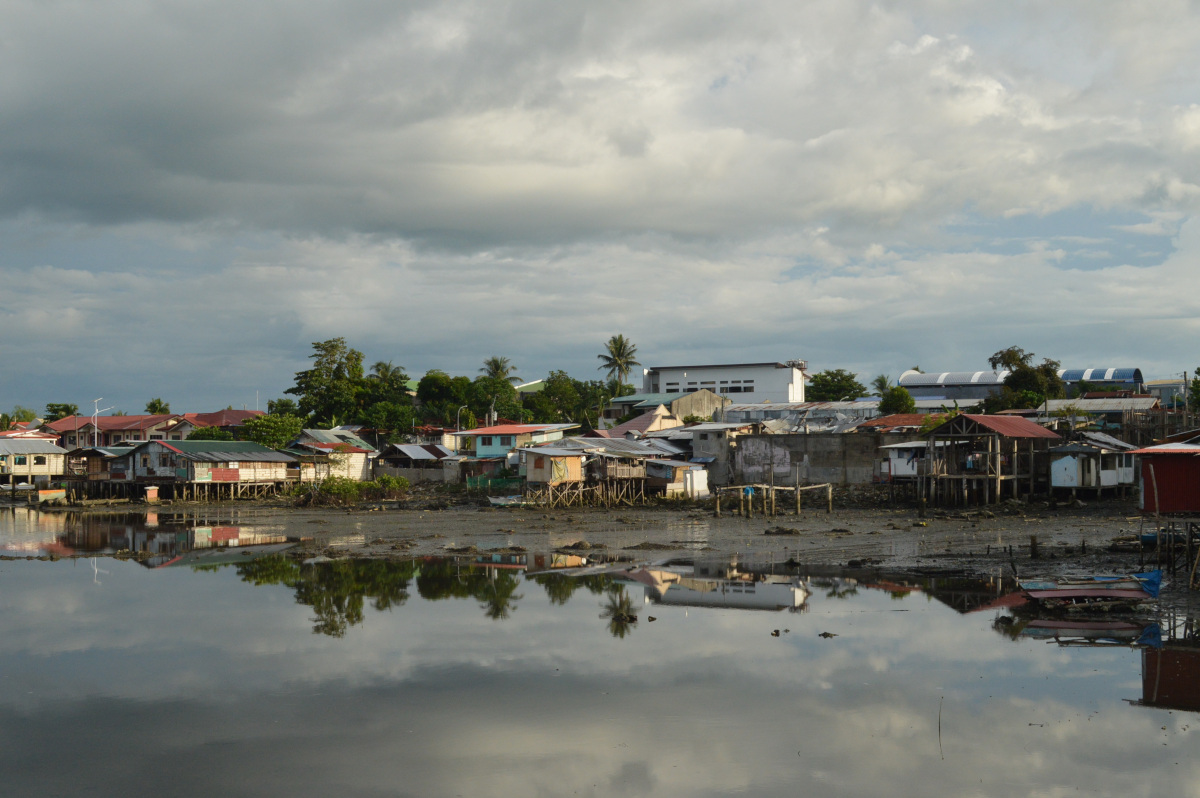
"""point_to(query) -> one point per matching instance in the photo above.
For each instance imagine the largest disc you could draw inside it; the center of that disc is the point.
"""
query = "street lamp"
(96, 421)
(457, 416)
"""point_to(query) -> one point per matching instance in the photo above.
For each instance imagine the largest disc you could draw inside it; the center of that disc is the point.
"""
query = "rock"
(827, 635)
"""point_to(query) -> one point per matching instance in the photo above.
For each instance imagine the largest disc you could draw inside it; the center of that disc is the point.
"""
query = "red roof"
(222, 418)
(884, 423)
(1010, 426)
(111, 423)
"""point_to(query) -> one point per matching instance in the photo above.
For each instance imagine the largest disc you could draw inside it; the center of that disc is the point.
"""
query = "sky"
(191, 194)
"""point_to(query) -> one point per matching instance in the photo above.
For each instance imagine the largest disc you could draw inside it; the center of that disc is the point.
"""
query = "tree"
(389, 420)
(157, 407)
(1010, 359)
(1026, 386)
(618, 358)
(329, 391)
(495, 395)
(881, 384)
(23, 415)
(834, 385)
(283, 407)
(499, 368)
(210, 434)
(897, 400)
(441, 396)
(273, 431)
(1193, 390)
(55, 411)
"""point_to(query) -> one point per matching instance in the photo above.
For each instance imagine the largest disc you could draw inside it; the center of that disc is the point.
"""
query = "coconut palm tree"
(618, 358)
(500, 368)
(882, 384)
(619, 612)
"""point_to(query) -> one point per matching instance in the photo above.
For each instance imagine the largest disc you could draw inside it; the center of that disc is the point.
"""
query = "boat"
(1077, 632)
(507, 501)
(1095, 591)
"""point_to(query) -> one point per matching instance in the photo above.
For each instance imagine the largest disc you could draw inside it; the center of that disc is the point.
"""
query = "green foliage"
(210, 434)
(881, 385)
(1010, 359)
(22, 415)
(335, 590)
(495, 393)
(935, 420)
(385, 486)
(271, 430)
(1194, 391)
(1026, 386)
(329, 390)
(500, 368)
(833, 385)
(618, 358)
(157, 407)
(338, 490)
(441, 396)
(283, 407)
(897, 400)
(56, 411)
(389, 419)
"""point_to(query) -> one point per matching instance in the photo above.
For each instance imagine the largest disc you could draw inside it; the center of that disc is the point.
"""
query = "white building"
(742, 382)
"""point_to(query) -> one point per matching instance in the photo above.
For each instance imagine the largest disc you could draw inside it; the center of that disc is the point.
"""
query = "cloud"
(740, 183)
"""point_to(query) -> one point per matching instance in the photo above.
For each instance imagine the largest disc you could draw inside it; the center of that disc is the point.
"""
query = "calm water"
(215, 672)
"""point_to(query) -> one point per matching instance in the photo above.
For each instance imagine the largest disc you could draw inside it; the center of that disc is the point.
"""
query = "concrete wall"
(767, 382)
(843, 459)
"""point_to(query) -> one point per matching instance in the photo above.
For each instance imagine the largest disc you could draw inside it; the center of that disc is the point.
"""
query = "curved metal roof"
(1101, 375)
(916, 378)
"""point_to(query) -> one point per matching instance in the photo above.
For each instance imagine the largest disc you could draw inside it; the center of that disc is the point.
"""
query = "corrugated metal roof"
(1009, 426)
(516, 429)
(418, 451)
(29, 446)
(1103, 405)
(618, 446)
(1101, 375)
(1170, 448)
(945, 378)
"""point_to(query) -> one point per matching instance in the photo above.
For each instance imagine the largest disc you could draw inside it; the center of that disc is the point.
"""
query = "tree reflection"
(619, 612)
(336, 590)
(499, 595)
(559, 588)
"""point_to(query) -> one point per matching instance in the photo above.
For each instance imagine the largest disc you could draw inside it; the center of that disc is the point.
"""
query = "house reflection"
(719, 584)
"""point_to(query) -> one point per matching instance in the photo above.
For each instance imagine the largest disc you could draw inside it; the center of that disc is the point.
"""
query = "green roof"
(196, 447)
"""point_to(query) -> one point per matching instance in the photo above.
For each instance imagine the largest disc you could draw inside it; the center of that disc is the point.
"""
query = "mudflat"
(1070, 538)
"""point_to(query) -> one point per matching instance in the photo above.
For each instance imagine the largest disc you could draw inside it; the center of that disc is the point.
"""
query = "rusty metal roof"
(1007, 426)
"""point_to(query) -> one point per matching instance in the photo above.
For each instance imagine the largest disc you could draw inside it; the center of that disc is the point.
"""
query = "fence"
(493, 485)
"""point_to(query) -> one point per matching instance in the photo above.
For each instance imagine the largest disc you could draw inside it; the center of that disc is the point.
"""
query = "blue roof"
(1123, 375)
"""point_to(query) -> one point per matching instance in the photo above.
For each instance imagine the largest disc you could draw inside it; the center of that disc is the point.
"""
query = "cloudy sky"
(192, 193)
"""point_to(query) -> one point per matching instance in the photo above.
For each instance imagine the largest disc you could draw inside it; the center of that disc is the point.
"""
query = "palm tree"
(618, 359)
(500, 368)
(619, 612)
(882, 384)
(157, 407)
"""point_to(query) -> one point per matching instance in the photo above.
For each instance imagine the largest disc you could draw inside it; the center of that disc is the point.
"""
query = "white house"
(742, 382)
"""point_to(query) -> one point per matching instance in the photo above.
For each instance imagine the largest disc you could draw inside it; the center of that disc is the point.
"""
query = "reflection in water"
(417, 691)
(618, 610)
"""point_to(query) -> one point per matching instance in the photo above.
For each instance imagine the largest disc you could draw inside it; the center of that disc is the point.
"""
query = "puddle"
(206, 667)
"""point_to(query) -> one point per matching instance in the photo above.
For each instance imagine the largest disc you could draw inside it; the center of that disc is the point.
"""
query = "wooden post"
(741, 502)
(797, 500)
(829, 498)
(1033, 547)
(717, 502)
(750, 503)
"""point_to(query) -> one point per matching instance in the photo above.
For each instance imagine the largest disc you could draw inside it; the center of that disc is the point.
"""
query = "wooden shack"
(977, 459)
(25, 460)
(1093, 462)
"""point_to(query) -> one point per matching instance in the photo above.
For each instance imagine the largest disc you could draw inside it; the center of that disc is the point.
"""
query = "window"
(137, 436)
(39, 459)
(176, 437)
(164, 460)
(485, 440)
(703, 436)
(20, 459)
(156, 437)
(145, 461)
(539, 462)
(506, 440)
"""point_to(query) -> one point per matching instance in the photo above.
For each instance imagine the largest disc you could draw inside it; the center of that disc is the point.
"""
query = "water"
(434, 678)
